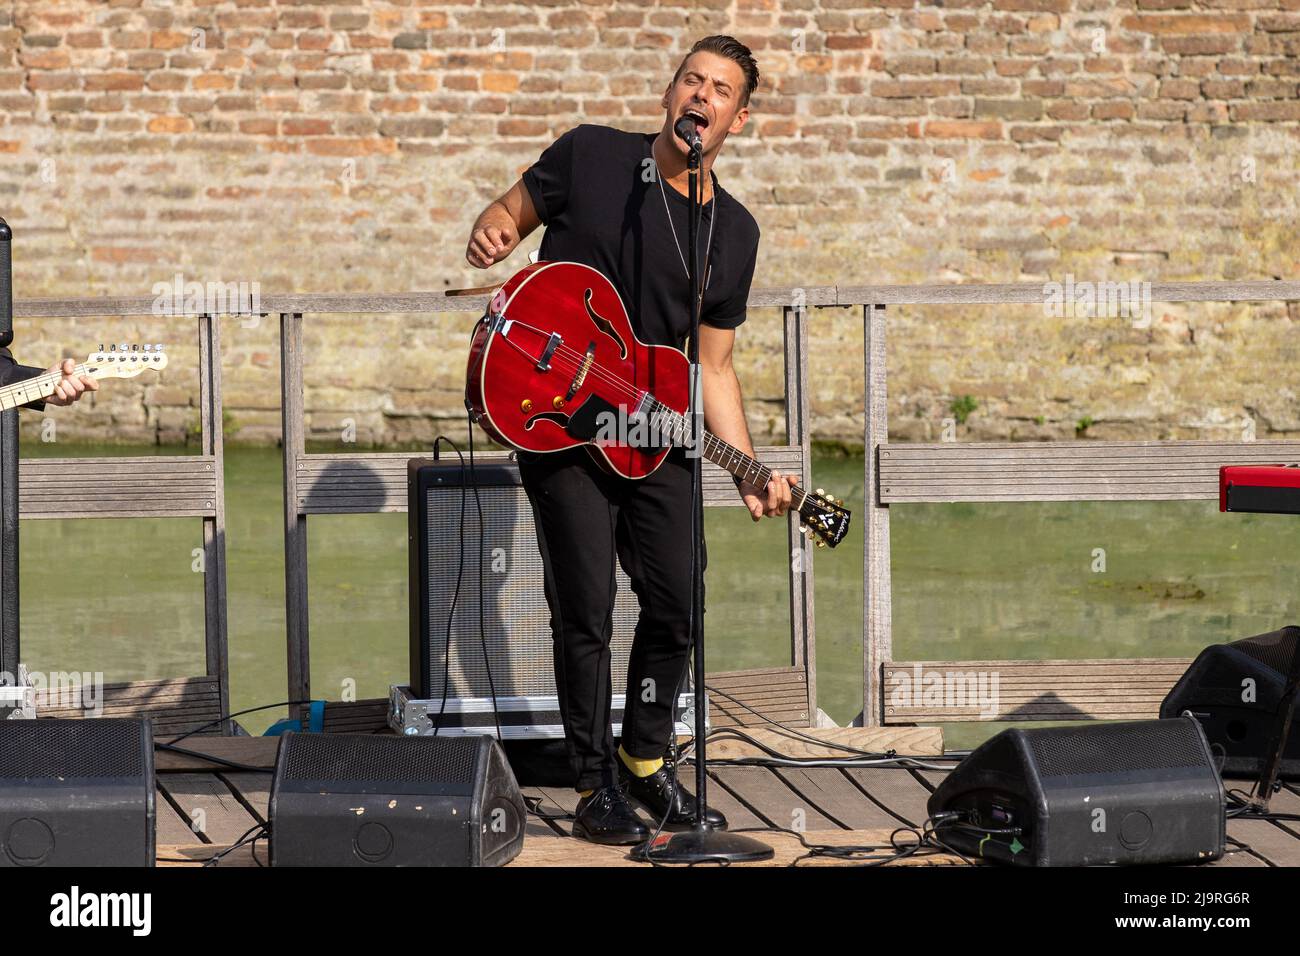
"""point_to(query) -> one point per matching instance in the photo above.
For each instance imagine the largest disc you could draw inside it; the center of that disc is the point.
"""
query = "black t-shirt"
(595, 188)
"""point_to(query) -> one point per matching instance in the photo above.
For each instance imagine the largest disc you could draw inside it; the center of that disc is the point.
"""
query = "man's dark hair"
(733, 50)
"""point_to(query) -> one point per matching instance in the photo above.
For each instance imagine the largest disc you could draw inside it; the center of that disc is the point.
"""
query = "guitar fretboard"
(34, 389)
(731, 459)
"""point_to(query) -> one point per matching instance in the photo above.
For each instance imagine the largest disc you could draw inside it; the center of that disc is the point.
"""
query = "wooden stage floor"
(203, 808)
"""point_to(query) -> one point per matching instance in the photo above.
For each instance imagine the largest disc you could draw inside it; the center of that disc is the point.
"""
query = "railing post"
(211, 419)
(295, 523)
(877, 639)
(803, 633)
(9, 647)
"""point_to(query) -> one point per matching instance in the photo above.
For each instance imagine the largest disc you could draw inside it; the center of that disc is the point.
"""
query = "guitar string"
(51, 377)
(13, 388)
(679, 422)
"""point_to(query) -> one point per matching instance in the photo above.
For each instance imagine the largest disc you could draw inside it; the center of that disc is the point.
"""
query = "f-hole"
(604, 325)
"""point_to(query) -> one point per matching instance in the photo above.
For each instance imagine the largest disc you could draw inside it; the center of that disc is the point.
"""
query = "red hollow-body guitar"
(554, 364)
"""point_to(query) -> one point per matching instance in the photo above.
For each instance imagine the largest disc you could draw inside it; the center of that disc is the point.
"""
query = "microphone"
(688, 132)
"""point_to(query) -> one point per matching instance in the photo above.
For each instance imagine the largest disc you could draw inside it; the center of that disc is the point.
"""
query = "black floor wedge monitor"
(1234, 690)
(76, 792)
(1101, 794)
(373, 800)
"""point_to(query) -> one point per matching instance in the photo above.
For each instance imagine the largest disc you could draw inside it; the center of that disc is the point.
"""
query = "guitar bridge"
(582, 372)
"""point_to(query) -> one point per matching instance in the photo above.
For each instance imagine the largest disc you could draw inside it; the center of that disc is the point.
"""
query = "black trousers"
(586, 519)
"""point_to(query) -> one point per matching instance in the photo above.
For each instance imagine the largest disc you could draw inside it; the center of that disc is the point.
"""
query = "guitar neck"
(726, 456)
(33, 389)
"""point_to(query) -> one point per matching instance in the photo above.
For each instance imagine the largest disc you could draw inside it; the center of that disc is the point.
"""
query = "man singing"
(618, 202)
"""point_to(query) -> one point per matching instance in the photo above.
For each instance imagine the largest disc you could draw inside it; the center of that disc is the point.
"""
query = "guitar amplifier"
(516, 621)
(1268, 489)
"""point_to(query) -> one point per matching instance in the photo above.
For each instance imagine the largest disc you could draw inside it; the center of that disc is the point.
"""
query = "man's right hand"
(490, 244)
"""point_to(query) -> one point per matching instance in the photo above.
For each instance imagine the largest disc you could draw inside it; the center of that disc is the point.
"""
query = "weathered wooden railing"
(322, 484)
(367, 483)
(364, 483)
(166, 486)
(1024, 471)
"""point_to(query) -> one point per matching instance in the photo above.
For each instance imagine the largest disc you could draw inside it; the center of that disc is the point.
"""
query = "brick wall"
(318, 146)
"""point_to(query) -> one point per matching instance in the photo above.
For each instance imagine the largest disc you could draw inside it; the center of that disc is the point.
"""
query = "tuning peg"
(839, 502)
(821, 492)
(821, 544)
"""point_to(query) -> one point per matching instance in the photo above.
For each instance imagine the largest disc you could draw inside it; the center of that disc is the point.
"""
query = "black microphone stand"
(702, 844)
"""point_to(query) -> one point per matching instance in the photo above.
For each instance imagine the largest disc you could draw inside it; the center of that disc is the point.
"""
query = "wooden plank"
(1027, 293)
(172, 706)
(906, 741)
(762, 695)
(896, 790)
(169, 826)
(541, 850)
(376, 483)
(1067, 471)
(211, 422)
(553, 826)
(214, 810)
(1274, 844)
(798, 430)
(738, 815)
(297, 643)
(771, 798)
(360, 716)
(560, 799)
(877, 589)
(835, 796)
(1030, 690)
(251, 789)
(119, 487)
(1235, 857)
(252, 751)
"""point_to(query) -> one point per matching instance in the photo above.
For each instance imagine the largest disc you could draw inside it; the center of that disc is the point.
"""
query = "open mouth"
(701, 120)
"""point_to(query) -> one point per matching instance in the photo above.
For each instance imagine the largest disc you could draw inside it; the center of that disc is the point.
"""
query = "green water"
(971, 582)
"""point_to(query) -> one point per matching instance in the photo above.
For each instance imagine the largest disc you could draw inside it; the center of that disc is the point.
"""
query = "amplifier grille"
(58, 747)
(1117, 748)
(369, 757)
(516, 620)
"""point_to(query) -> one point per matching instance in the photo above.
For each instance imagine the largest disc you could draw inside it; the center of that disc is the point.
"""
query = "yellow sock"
(585, 793)
(639, 767)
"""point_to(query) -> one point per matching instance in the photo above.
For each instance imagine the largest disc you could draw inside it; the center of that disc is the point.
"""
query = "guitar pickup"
(544, 363)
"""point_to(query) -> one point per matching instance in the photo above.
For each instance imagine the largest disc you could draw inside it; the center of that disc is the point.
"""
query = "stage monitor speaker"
(516, 619)
(371, 800)
(76, 792)
(1137, 792)
(1234, 691)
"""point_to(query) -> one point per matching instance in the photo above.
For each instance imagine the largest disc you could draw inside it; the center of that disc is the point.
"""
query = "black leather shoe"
(605, 816)
(657, 793)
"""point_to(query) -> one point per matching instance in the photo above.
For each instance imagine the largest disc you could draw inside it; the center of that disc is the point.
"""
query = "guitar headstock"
(125, 360)
(823, 516)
